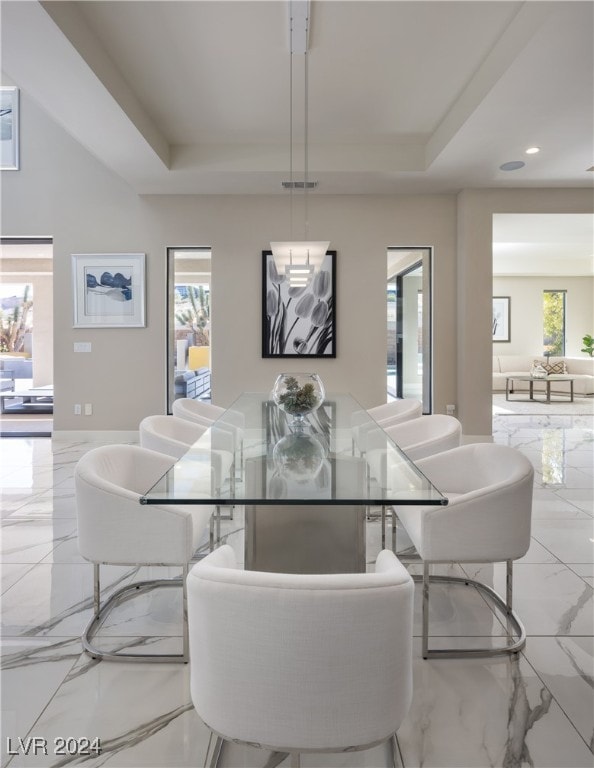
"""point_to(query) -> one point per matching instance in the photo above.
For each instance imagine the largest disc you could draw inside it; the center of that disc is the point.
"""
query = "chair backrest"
(169, 434)
(489, 515)
(396, 411)
(113, 527)
(186, 407)
(426, 435)
(301, 662)
(206, 414)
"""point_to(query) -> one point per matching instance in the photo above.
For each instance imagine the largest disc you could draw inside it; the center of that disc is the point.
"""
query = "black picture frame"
(288, 329)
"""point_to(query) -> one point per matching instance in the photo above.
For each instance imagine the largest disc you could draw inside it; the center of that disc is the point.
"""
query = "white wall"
(526, 312)
(63, 192)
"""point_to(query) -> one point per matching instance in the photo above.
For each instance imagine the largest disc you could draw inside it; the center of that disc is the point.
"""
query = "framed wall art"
(501, 318)
(299, 322)
(9, 128)
(109, 290)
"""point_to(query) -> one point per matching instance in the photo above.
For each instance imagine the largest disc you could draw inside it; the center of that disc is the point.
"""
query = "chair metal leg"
(120, 596)
(185, 629)
(504, 606)
(425, 651)
(96, 588)
(395, 752)
(216, 752)
(394, 531)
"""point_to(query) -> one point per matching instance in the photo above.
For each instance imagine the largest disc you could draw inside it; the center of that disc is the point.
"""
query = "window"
(553, 322)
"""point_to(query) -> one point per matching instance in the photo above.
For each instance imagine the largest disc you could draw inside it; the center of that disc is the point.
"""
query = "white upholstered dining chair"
(396, 411)
(227, 420)
(300, 663)
(169, 434)
(175, 436)
(418, 438)
(366, 424)
(487, 520)
(114, 528)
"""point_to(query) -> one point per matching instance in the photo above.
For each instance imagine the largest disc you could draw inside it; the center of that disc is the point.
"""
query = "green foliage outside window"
(554, 323)
(196, 316)
(15, 323)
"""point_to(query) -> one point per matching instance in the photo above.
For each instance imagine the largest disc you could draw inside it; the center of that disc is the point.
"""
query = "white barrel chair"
(426, 435)
(175, 436)
(114, 528)
(396, 411)
(487, 520)
(417, 438)
(207, 414)
(383, 415)
(299, 662)
(168, 434)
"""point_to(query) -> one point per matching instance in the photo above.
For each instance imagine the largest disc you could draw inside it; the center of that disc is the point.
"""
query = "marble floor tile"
(555, 508)
(531, 710)
(584, 570)
(566, 667)
(581, 498)
(47, 504)
(143, 716)
(13, 499)
(28, 541)
(12, 572)
(549, 599)
(54, 599)
(568, 540)
(32, 671)
(486, 712)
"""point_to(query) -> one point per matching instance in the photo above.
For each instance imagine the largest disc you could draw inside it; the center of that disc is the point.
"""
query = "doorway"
(409, 332)
(26, 337)
(188, 324)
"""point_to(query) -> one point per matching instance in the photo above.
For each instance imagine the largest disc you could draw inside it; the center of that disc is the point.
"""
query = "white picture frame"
(501, 318)
(109, 290)
(9, 128)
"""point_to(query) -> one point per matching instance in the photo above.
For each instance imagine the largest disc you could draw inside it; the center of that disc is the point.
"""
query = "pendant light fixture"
(298, 259)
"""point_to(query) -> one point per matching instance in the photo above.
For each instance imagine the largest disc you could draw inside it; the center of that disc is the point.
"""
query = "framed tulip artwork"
(108, 290)
(299, 321)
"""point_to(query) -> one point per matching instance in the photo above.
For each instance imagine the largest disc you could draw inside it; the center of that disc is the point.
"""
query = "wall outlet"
(450, 410)
(77, 409)
(88, 409)
(82, 346)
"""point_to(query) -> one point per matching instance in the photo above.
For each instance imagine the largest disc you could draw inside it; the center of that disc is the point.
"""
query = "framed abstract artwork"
(501, 318)
(299, 321)
(9, 128)
(108, 290)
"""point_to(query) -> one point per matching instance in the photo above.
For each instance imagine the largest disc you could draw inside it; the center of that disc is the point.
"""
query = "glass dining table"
(302, 492)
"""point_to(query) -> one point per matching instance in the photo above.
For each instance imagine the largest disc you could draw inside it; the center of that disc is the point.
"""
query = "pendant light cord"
(291, 132)
(306, 135)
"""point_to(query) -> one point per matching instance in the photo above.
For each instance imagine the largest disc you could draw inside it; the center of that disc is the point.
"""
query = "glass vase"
(298, 394)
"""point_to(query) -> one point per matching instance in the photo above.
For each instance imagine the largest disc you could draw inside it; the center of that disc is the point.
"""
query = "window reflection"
(553, 449)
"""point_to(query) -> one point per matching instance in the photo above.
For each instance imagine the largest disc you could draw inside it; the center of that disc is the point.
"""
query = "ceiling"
(192, 97)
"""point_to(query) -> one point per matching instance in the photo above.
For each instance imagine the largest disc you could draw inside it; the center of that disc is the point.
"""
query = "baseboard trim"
(95, 436)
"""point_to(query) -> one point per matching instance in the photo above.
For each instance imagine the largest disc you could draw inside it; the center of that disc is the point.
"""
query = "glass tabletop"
(254, 454)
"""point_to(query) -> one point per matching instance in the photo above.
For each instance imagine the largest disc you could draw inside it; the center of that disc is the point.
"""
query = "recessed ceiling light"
(532, 150)
(513, 165)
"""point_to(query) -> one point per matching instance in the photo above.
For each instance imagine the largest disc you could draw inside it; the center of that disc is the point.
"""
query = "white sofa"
(505, 366)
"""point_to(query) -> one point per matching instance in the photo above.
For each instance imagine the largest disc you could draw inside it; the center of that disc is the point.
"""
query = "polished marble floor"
(534, 710)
